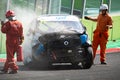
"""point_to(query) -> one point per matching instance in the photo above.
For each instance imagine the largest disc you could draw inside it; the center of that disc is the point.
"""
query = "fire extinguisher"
(19, 53)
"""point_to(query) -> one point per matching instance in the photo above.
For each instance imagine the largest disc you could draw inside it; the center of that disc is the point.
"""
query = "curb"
(2, 59)
(110, 50)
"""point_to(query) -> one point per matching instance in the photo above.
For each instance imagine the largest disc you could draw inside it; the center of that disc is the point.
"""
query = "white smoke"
(26, 17)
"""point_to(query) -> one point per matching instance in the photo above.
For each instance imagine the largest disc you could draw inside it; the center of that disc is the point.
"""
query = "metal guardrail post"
(8, 5)
(109, 6)
(72, 7)
(83, 10)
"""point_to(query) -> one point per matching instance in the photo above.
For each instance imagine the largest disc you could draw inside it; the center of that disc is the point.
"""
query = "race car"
(57, 39)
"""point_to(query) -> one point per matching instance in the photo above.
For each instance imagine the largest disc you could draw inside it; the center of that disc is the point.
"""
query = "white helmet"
(104, 7)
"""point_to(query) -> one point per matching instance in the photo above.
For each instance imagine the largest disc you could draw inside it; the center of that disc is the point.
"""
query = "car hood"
(57, 36)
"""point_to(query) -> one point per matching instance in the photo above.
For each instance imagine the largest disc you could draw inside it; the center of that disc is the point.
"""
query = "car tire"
(87, 63)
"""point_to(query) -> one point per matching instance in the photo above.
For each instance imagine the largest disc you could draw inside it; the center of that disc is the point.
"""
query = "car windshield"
(59, 26)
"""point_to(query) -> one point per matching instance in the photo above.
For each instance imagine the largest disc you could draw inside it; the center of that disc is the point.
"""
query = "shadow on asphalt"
(56, 67)
(22, 67)
(52, 68)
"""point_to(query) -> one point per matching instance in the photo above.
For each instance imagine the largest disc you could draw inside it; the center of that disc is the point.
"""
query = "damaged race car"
(58, 39)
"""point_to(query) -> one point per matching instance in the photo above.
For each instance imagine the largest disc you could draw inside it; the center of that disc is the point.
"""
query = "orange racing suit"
(14, 34)
(101, 35)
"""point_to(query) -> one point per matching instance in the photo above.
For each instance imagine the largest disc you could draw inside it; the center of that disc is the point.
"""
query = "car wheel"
(87, 63)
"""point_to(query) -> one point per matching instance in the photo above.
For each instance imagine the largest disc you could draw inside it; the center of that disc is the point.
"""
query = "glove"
(21, 40)
(109, 26)
(2, 22)
(86, 17)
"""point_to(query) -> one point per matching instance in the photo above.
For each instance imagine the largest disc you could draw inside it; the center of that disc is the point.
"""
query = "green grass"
(116, 27)
(2, 43)
(113, 33)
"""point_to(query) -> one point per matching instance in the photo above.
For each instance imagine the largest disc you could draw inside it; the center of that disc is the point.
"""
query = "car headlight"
(83, 38)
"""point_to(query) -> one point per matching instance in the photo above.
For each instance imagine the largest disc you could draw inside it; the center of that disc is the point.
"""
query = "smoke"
(26, 17)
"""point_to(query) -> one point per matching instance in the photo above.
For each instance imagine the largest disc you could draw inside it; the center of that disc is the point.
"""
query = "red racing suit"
(14, 34)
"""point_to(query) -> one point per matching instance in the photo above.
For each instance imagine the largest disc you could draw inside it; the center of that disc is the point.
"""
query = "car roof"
(58, 18)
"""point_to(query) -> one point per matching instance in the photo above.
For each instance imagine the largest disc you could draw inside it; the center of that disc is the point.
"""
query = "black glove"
(21, 40)
(86, 17)
(2, 22)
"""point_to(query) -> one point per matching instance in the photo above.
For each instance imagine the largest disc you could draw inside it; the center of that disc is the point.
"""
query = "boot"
(103, 63)
(13, 72)
(4, 71)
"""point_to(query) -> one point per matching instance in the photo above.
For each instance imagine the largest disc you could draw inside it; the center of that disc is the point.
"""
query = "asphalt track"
(111, 71)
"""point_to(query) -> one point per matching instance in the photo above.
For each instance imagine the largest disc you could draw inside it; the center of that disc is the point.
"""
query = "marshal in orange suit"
(14, 38)
(100, 37)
